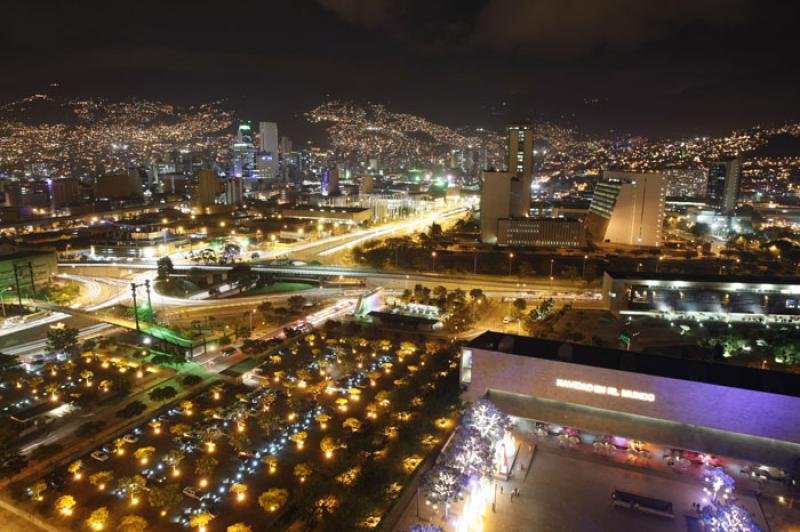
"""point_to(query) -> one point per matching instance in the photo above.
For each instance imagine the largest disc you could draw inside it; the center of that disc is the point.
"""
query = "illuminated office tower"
(627, 208)
(724, 178)
(268, 154)
(507, 194)
(519, 153)
(243, 150)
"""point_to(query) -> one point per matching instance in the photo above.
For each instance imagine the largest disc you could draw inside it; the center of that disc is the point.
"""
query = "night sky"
(665, 67)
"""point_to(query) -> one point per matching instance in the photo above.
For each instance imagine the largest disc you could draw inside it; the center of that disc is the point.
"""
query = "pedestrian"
(512, 496)
(501, 489)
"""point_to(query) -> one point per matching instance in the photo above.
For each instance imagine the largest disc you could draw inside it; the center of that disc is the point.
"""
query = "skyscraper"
(519, 154)
(207, 185)
(507, 193)
(268, 154)
(243, 161)
(627, 208)
(724, 178)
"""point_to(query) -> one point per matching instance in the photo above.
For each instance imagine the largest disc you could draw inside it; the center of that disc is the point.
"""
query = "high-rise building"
(243, 159)
(234, 194)
(268, 153)
(724, 178)
(519, 153)
(329, 181)
(507, 193)
(495, 203)
(627, 208)
(207, 185)
(686, 182)
(64, 191)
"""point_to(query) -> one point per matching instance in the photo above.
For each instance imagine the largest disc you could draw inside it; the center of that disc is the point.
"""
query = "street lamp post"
(433, 258)
(135, 311)
(551, 268)
(510, 258)
(658, 262)
(583, 274)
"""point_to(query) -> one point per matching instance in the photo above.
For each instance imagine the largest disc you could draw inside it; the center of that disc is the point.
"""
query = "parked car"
(130, 438)
(100, 456)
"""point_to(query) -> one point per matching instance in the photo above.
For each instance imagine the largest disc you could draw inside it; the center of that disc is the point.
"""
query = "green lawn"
(278, 287)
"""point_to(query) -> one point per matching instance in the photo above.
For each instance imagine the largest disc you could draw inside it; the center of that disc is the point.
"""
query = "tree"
(101, 479)
(99, 519)
(200, 520)
(132, 409)
(302, 471)
(442, 484)
(75, 467)
(240, 490)
(165, 268)
(239, 527)
(132, 523)
(519, 306)
(192, 380)
(242, 275)
(296, 303)
(272, 499)
(37, 489)
(239, 441)
(483, 416)
(42, 452)
(543, 310)
(179, 429)
(143, 454)
(133, 486)
(470, 453)
(205, 465)
(65, 504)
(166, 498)
(352, 424)
(163, 394)
(61, 339)
(174, 458)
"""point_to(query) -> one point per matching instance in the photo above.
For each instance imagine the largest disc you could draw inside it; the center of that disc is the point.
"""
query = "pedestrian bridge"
(151, 329)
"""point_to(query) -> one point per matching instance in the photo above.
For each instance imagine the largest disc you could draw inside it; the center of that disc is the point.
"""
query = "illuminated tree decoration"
(487, 419)
(469, 453)
(443, 485)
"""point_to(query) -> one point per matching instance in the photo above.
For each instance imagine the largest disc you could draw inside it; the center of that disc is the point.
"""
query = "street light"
(433, 257)
(658, 262)
(510, 258)
(551, 268)
(584, 266)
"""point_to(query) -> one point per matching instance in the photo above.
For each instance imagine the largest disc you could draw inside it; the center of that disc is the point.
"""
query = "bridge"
(150, 329)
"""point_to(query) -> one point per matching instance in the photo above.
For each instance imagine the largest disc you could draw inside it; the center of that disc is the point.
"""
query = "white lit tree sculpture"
(443, 485)
(469, 453)
(487, 419)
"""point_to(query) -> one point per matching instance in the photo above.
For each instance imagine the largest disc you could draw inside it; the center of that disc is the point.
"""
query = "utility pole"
(147, 288)
(33, 284)
(135, 310)
(16, 281)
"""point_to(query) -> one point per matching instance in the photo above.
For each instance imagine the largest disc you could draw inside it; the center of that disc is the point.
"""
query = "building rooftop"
(704, 371)
(703, 278)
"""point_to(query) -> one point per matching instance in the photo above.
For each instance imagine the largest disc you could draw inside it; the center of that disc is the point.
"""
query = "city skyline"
(697, 68)
(400, 266)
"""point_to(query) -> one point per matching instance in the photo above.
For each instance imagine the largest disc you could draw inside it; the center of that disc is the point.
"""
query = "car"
(247, 453)
(100, 456)
(507, 319)
(193, 493)
(130, 438)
